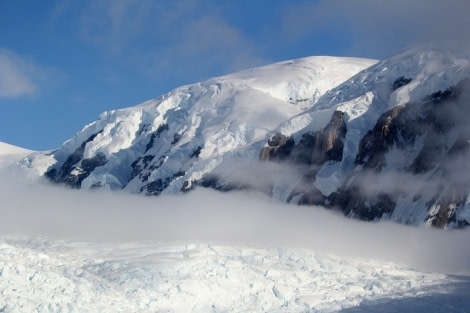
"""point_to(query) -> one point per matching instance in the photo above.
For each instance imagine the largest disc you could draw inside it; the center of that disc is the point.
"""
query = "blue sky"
(62, 63)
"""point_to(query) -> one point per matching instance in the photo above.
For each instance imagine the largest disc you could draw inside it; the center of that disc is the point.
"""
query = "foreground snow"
(57, 276)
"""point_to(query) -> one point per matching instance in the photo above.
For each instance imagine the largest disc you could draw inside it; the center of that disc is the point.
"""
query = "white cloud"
(229, 218)
(15, 75)
(21, 76)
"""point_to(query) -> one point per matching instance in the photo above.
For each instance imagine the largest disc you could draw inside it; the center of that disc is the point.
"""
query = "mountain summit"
(373, 140)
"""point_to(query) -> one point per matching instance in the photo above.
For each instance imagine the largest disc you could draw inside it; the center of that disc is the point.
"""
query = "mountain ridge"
(327, 129)
(196, 124)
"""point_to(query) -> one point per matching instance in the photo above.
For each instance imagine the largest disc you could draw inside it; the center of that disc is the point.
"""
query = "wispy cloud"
(113, 25)
(378, 28)
(206, 44)
(167, 39)
(21, 76)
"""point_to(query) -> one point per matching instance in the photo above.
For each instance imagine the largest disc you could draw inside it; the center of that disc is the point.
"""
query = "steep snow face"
(402, 141)
(167, 144)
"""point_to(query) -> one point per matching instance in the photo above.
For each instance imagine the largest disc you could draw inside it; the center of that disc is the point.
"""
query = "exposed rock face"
(312, 150)
(278, 149)
(388, 131)
(329, 141)
(75, 169)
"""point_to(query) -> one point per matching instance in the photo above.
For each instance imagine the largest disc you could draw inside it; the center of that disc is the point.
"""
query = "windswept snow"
(301, 81)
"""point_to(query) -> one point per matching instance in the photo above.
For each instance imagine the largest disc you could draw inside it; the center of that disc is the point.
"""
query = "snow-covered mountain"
(391, 142)
(167, 144)
(372, 139)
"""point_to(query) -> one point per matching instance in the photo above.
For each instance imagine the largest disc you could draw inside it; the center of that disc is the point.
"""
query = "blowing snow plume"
(230, 218)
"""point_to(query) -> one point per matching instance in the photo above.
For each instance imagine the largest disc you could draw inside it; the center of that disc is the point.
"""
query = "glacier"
(56, 276)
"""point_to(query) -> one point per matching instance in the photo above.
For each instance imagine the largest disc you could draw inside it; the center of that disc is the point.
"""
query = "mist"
(208, 216)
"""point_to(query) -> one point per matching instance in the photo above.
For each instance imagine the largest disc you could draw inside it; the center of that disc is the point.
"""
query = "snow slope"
(166, 144)
(10, 154)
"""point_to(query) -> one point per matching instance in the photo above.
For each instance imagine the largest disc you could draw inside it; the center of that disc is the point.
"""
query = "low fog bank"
(231, 218)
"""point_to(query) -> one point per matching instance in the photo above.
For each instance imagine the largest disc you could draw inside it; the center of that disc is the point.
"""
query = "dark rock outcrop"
(75, 169)
(278, 149)
(156, 187)
(438, 119)
(312, 150)
(400, 82)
